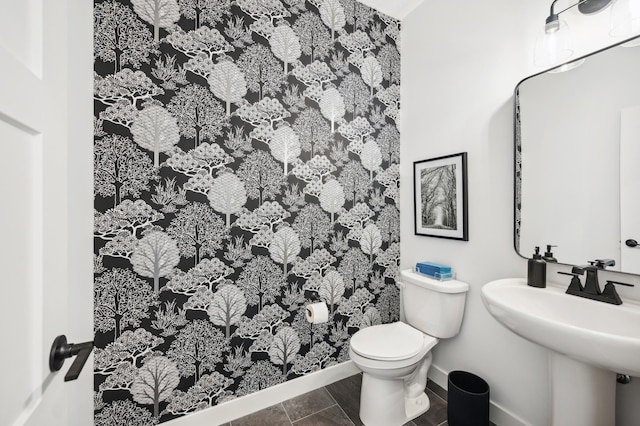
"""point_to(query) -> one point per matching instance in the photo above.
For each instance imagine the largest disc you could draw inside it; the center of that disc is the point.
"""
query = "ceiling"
(398, 9)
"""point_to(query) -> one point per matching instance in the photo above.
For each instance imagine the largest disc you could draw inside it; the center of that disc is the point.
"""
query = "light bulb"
(553, 45)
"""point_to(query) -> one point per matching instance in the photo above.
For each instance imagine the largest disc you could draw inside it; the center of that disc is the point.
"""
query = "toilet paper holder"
(316, 310)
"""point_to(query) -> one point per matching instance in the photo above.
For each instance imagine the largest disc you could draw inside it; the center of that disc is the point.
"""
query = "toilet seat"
(390, 342)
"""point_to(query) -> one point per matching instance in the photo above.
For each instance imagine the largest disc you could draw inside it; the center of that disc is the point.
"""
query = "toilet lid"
(393, 341)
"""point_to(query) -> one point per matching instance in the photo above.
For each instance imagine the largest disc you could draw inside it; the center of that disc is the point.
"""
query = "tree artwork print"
(246, 162)
(438, 192)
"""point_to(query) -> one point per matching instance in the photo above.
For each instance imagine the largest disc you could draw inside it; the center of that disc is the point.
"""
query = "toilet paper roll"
(317, 313)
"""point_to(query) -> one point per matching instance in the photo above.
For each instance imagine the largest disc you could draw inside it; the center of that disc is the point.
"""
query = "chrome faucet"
(591, 289)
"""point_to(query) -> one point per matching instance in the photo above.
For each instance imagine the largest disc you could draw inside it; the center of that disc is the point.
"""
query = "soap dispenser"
(548, 255)
(537, 270)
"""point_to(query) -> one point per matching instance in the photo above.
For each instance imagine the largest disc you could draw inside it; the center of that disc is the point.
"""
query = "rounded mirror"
(577, 170)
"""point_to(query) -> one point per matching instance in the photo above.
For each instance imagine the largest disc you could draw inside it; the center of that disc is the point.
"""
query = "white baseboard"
(498, 414)
(240, 407)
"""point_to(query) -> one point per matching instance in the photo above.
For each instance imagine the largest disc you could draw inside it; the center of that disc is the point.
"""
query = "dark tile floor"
(337, 404)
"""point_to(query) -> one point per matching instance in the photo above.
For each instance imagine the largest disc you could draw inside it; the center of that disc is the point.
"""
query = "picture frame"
(440, 197)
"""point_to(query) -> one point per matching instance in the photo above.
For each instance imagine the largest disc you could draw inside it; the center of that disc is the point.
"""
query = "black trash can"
(468, 400)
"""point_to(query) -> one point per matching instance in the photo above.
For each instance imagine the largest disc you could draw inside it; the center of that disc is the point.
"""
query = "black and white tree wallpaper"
(246, 160)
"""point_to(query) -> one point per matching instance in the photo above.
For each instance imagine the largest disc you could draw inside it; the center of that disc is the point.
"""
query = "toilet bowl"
(395, 358)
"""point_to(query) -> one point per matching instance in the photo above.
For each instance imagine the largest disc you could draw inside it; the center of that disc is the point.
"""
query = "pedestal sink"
(588, 341)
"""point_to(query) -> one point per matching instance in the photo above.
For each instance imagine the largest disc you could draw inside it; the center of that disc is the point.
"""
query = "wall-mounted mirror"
(577, 160)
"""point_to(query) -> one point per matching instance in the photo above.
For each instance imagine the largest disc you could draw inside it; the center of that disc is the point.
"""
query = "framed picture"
(440, 197)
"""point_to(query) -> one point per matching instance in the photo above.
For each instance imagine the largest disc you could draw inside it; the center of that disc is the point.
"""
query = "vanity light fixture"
(553, 45)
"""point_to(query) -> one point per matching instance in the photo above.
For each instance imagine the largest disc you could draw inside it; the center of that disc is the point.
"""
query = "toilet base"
(415, 407)
(394, 401)
(386, 405)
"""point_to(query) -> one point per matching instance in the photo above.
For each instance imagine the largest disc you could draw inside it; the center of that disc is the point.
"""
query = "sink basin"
(588, 341)
(596, 333)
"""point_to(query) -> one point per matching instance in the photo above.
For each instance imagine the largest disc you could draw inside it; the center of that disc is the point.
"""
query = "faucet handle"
(610, 294)
(575, 286)
(620, 283)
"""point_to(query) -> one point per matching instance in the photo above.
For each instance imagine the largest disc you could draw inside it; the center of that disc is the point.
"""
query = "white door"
(629, 189)
(45, 210)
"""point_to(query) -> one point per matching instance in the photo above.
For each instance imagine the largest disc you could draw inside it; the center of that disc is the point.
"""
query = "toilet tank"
(432, 306)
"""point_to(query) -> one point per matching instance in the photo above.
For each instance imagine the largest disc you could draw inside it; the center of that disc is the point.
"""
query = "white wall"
(461, 62)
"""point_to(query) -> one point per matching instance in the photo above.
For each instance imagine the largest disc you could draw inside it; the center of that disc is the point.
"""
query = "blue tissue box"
(433, 269)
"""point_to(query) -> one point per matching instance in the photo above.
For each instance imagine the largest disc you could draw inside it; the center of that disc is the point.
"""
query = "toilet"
(395, 358)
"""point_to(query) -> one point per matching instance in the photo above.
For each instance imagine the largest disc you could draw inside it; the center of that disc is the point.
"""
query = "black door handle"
(631, 243)
(61, 350)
